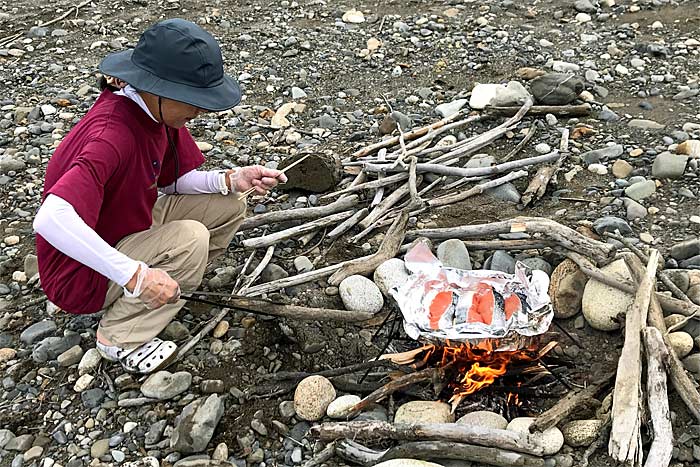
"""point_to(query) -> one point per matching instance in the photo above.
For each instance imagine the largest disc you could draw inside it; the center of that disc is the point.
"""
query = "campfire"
(472, 367)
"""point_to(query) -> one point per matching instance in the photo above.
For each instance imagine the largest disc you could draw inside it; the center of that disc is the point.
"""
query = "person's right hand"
(154, 287)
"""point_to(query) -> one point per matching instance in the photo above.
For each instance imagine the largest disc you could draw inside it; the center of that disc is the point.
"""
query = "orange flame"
(479, 366)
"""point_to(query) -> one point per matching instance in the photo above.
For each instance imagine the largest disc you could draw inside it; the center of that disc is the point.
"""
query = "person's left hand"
(262, 178)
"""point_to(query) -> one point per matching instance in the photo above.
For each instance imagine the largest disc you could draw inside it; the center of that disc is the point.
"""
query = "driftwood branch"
(574, 401)
(480, 455)
(322, 457)
(368, 185)
(430, 374)
(625, 443)
(348, 224)
(387, 250)
(538, 185)
(564, 236)
(475, 190)
(271, 239)
(657, 399)
(683, 384)
(451, 432)
(342, 204)
(266, 307)
(418, 132)
(580, 110)
(530, 133)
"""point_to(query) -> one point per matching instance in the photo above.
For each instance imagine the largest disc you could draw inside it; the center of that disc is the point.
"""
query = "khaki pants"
(188, 231)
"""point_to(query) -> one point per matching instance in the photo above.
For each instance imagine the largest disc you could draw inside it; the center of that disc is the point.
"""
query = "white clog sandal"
(147, 358)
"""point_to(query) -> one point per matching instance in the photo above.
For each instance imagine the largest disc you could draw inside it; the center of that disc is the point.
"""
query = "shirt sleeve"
(196, 182)
(83, 184)
(61, 226)
(189, 157)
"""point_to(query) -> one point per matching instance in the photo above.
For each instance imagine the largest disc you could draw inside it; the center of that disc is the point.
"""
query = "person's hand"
(154, 287)
(262, 178)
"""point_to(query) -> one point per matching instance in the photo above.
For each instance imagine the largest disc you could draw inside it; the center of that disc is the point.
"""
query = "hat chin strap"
(170, 142)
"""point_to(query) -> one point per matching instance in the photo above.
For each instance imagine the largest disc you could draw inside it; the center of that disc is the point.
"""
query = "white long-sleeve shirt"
(61, 226)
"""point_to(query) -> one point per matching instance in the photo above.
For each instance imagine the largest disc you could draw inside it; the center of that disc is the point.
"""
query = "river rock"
(339, 407)
(195, 426)
(634, 209)
(5, 437)
(453, 254)
(668, 165)
(611, 224)
(500, 260)
(690, 363)
(37, 332)
(19, 443)
(641, 190)
(566, 288)
(556, 88)
(550, 439)
(361, 294)
(312, 397)
(482, 94)
(7, 354)
(682, 343)
(686, 249)
(391, 273)
(91, 359)
(164, 385)
(513, 94)
(484, 418)
(581, 432)
(602, 304)
(424, 412)
(690, 148)
(450, 108)
(621, 168)
(537, 264)
(645, 124)
(597, 155)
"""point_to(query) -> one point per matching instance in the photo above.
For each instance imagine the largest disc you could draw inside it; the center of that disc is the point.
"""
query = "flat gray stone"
(506, 192)
(641, 190)
(37, 332)
(164, 385)
(597, 155)
(453, 254)
(611, 224)
(645, 124)
(668, 165)
(195, 426)
(20, 443)
(450, 108)
(686, 249)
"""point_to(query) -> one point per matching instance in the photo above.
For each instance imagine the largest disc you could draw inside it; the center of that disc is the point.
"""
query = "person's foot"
(149, 357)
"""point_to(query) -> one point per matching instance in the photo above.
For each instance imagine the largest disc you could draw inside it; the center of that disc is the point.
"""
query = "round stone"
(581, 432)
(550, 439)
(7, 354)
(674, 319)
(682, 343)
(361, 294)
(566, 289)
(312, 397)
(164, 385)
(485, 419)
(391, 273)
(602, 304)
(339, 407)
(424, 412)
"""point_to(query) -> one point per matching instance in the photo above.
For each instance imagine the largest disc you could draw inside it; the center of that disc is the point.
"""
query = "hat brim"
(225, 95)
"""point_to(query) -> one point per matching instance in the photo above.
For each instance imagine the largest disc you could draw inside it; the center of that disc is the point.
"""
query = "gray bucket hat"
(178, 60)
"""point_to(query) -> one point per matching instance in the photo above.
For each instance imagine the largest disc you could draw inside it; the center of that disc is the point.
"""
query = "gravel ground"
(637, 61)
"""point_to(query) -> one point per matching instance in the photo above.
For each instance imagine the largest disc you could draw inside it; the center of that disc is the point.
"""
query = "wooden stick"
(573, 402)
(387, 250)
(322, 457)
(266, 307)
(415, 144)
(299, 214)
(683, 384)
(256, 272)
(385, 205)
(299, 375)
(657, 399)
(473, 434)
(564, 236)
(625, 443)
(348, 224)
(580, 110)
(66, 14)
(293, 164)
(298, 279)
(408, 136)
(530, 133)
(475, 190)
(429, 374)
(538, 185)
(368, 185)
(442, 169)
(480, 455)
(275, 237)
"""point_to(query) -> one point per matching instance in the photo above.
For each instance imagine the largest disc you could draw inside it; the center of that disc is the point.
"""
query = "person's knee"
(193, 233)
